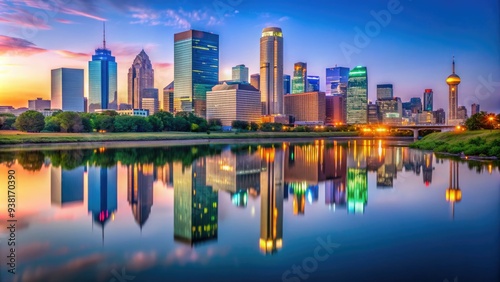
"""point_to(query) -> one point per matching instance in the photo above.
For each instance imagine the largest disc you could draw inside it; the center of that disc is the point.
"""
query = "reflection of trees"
(7, 158)
(30, 161)
(68, 159)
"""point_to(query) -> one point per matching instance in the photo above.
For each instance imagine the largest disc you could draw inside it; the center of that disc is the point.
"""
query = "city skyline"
(427, 67)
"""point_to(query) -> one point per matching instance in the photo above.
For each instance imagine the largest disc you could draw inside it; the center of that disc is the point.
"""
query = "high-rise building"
(462, 113)
(334, 109)
(312, 83)
(255, 80)
(196, 69)
(475, 109)
(140, 191)
(233, 101)
(271, 71)
(140, 77)
(149, 100)
(414, 105)
(336, 81)
(168, 98)
(357, 96)
(373, 113)
(67, 89)
(385, 92)
(66, 185)
(39, 104)
(439, 116)
(428, 100)
(307, 108)
(453, 81)
(102, 194)
(286, 84)
(240, 74)
(390, 111)
(103, 80)
(299, 81)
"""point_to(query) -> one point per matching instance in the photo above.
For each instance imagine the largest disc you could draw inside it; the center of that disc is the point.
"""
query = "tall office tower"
(196, 69)
(299, 81)
(168, 98)
(102, 80)
(271, 71)
(271, 196)
(102, 194)
(428, 100)
(240, 74)
(66, 186)
(255, 80)
(195, 204)
(414, 105)
(312, 83)
(373, 114)
(337, 79)
(453, 81)
(357, 96)
(140, 191)
(440, 116)
(140, 76)
(385, 92)
(66, 89)
(474, 109)
(150, 101)
(286, 84)
(334, 109)
(39, 104)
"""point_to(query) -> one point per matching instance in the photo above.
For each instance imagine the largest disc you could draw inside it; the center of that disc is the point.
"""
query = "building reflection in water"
(102, 194)
(357, 176)
(391, 164)
(453, 193)
(165, 174)
(427, 168)
(271, 195)
(66, 186)
(140, 181)
(195, 204)
(237, 173)
(335, 189)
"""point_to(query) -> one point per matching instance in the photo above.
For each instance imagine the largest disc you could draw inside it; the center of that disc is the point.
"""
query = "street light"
(491, 121)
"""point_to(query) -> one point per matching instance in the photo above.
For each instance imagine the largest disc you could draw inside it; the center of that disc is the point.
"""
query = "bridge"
(418, 127)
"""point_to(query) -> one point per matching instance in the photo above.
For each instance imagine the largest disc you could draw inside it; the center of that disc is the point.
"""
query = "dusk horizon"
(386, 37)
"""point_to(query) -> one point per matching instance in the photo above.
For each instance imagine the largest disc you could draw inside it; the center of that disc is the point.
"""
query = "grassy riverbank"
(17, 137)
(472, 143)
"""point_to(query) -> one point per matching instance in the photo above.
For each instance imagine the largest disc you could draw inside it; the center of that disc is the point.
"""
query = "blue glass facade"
(103, 81)
(286, 84)
(102, 193)
(312, 83)
(336, 81)
(196, 69)
(67, 89)
(299, 83)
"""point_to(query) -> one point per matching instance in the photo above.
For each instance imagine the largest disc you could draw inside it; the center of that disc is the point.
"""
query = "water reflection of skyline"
(298, 172)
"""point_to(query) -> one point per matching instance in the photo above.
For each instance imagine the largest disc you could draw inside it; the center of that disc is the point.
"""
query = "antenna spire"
(104, 35)
(453, 64)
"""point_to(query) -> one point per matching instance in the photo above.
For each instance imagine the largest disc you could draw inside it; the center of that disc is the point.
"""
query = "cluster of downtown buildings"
(269, 96)
(296, 173)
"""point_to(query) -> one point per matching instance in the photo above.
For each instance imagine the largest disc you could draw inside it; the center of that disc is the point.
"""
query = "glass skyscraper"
(336, 81)
(102, 80)
(428, 100)
(66, 90)
(385, 92)
(196, 69)
(357, 96)
(240, 74)
(286, 84)
(140, 77)
(299, 82)
(271, 71)
(312, 83)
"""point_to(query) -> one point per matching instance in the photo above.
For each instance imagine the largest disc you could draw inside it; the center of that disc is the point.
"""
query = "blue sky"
(413, 49)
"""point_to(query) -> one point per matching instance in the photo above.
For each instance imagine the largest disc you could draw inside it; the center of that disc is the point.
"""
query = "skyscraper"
(357, 96)
(168, 98)
(102, 80)
(312, 83)
(428, 100)
(385, 92)
(453, 81)
(240, 74)
(255, 80)
(140, 77)
(336, 81)
(299, 82)
(66, 89)
(271, 71)
(150, 100)
(474, 109)
(286, 84)
(196, 69)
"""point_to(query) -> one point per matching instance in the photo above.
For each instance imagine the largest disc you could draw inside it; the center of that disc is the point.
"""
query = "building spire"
(104, 35)
(453, 64)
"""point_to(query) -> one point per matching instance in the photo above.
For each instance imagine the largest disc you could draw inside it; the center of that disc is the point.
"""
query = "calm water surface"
(318, 211)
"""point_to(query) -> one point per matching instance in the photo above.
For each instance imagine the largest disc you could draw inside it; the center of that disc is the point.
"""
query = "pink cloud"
(163, 65)
(70, 54)
(18, 46)
(23, 18)
(64, 21)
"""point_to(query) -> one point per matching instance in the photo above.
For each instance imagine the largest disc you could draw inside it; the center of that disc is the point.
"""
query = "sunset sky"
(413, 49)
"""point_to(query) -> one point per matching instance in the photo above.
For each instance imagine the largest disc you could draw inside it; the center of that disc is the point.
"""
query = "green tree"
(71, 122)
(52, 124)
(87, 122)
(240, 124)
(180, 124)
(7, 121)
(124, 124)
(30, 121)
(254, 126)
(156, 123)
(142, 125)
(104, 122)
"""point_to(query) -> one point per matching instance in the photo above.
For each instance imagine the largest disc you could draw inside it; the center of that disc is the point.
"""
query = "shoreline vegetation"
(468, 145)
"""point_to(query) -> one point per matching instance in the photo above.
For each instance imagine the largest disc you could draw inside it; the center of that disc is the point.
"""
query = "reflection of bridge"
(418, 127)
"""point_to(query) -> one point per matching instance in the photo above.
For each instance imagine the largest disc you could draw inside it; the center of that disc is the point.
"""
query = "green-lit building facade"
(357, 96)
